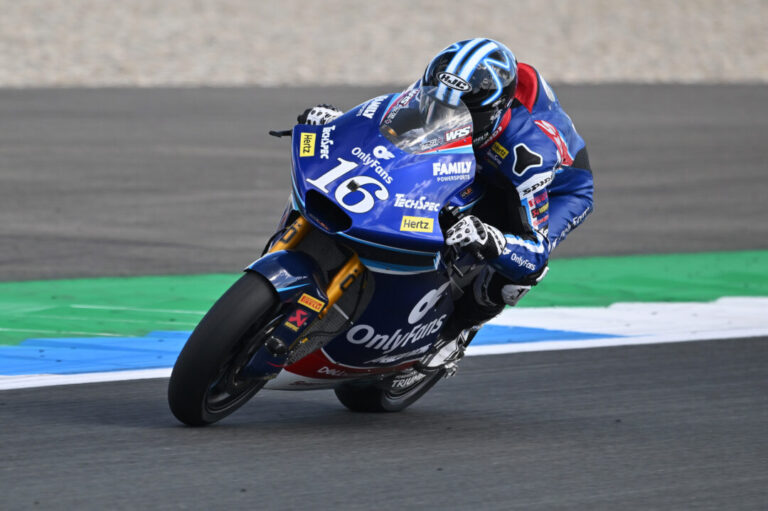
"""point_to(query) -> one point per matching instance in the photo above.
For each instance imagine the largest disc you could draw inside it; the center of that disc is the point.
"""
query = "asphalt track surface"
(126, 182)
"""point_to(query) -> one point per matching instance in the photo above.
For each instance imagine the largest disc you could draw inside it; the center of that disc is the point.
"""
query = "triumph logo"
(454, 82)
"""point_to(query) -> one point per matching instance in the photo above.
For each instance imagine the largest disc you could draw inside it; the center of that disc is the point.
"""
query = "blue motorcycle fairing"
(392, 198)
(292, 273)
(399, 325)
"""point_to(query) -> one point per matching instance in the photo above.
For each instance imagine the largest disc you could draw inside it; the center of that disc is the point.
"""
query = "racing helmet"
(480, 72)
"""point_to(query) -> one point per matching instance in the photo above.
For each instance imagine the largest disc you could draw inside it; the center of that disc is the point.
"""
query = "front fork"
(302, 310)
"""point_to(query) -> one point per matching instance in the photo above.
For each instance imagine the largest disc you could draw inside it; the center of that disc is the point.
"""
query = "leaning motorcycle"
(355, 287)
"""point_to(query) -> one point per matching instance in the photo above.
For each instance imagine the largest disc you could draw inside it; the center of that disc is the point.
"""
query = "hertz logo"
(307, 144)
(500, 150)
(417, 224)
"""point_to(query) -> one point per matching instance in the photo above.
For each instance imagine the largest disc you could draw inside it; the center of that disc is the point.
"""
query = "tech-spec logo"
(386, 343)
(454, 82)
(402, 201)
(369, 109)
(458, 133)
(452, 171)
(326, 142)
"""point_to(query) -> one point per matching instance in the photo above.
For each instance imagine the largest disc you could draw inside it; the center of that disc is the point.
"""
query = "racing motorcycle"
(354, 289)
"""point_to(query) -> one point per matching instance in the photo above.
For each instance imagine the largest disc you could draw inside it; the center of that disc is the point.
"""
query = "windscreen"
(418, 123)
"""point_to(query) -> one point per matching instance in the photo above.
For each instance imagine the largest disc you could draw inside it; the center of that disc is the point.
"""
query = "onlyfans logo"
(524, 263)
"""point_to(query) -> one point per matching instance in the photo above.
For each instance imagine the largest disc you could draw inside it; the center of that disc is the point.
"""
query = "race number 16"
(353, 184)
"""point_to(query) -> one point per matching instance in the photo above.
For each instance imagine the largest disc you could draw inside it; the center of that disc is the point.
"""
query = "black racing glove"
(480, 238)
(320, 114)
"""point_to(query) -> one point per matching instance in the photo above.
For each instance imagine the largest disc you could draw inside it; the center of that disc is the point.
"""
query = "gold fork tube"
(293, 235)
(346, 276)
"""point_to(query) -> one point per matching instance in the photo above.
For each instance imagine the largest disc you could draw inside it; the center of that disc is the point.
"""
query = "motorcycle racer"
(532, 161)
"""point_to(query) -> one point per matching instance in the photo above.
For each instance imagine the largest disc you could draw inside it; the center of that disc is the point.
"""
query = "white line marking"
(498, 349)
(48, 380)
(135, 309)
(59, 332)
(149, 323)
(639, 323)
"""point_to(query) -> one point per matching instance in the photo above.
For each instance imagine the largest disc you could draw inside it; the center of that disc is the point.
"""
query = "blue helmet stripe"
(506, 65)
(442, 89)
(470, 65)
(454, 64)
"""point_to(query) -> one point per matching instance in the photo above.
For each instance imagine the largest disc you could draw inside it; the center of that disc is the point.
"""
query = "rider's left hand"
(320, 114)
(481, 238)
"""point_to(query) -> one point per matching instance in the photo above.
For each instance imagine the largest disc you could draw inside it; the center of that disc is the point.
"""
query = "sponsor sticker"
(326, 142)
(522, 262)
(429, 144)
(307, 144)
(382, 153)
(369, 109)
(539, 211)
(535, 183)
(368, 336)
(403, 201)
(297, 320)
(310, 302)
(331, 371)
(452, 171)
(370, 161)
(500, 150)
(417, 224)
(454, 82)
(458, 133)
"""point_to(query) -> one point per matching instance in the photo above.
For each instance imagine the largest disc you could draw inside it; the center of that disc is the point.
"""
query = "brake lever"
(281, 134)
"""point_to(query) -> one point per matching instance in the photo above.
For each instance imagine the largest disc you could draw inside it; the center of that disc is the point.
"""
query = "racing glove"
(320, 114)
(480, 238)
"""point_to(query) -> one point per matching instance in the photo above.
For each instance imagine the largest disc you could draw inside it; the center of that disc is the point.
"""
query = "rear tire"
(206, 384)
(377, 399)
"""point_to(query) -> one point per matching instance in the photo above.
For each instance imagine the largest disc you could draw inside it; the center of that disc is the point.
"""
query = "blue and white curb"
(43, 362)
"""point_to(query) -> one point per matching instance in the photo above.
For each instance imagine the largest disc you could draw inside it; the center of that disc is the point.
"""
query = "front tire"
(206, 384)
(378, 398)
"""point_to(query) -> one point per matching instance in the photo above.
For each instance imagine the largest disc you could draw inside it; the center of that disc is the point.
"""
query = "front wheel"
(206, 384)
(394, 396)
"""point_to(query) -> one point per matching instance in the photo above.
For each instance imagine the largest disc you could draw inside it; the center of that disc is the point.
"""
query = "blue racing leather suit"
(540, 164)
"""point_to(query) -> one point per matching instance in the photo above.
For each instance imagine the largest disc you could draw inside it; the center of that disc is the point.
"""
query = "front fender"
(292, 273)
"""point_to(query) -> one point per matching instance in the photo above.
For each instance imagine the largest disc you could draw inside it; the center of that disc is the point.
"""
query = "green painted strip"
(113, 306)
(135, 306)
(601, 281)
